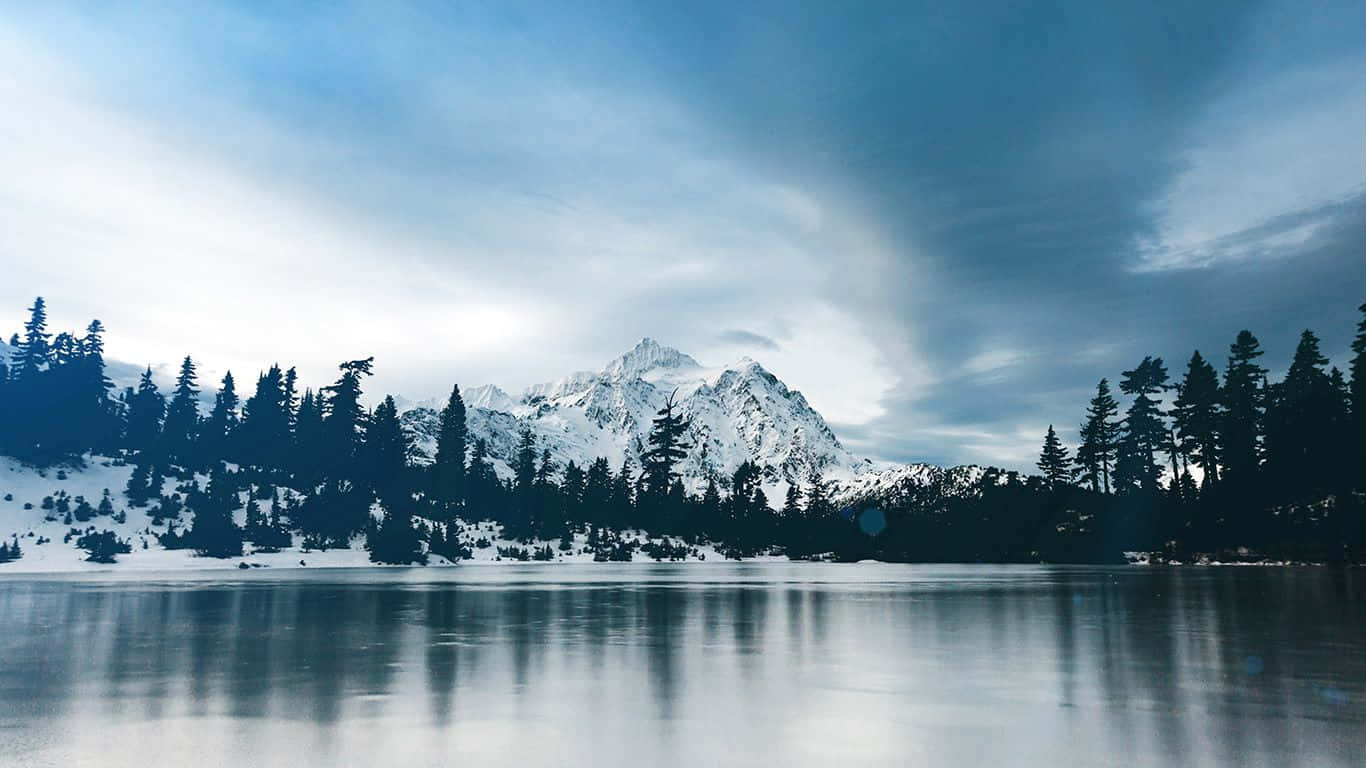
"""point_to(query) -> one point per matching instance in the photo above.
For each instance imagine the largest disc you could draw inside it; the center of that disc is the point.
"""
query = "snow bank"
(22, 490)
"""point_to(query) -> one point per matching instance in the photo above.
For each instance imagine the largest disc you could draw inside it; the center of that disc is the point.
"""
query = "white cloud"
(1266, 171)
(193, 222)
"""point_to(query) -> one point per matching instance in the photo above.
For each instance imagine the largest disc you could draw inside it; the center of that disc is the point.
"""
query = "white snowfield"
(22, 486)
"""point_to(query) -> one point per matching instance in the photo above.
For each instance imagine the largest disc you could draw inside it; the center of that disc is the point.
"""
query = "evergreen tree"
(1338, 448)
(1144, 431)
(213, 532)
(218, 430)
(388, 450)
(34, 352)
(93, 408)
(396, 541)
(546, 520)
(263, 438)
(523, 511)
(290, 402)
(483, 491)
(710, 522)
(1197, 414)
(1054, 462)
(182, 416)
(597, 492)
(818, 502)
(448, 466)
(343, 417)
(1096, 454)
(792, 502)
(1243, 410)
(748, 516)
(1299, 419)
(1357, 404)
(571, 494)
(309, 440)
(623, 502)
(667, 448)
(145, 411)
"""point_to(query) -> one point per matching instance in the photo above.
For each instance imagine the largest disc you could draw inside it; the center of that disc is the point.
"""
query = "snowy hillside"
(34, 507)
(737, 412)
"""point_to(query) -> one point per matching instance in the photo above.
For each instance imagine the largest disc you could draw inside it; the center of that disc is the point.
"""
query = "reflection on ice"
(687, 665)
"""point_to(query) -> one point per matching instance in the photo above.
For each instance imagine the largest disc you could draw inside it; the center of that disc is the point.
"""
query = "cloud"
(741, 338)
(506, 225)
(1270, 166)
(940, 232)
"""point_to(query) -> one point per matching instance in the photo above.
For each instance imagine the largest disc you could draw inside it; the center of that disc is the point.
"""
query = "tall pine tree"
(1144, 431)
(448, 466)
(1054, 461)
(1096, 454)
(1197, 414)
(182, 416)
(146, 409)
(1244, 409)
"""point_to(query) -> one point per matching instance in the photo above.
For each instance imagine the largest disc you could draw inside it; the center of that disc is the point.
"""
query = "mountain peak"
(646, 356)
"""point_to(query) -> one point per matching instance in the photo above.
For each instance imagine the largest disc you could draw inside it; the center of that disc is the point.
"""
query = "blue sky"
(942, 224)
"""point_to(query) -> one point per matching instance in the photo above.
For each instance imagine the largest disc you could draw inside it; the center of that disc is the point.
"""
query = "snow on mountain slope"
(736, 413)
(899, 483)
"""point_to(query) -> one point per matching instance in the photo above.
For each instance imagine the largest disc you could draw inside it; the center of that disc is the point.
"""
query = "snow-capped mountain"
(736, 412)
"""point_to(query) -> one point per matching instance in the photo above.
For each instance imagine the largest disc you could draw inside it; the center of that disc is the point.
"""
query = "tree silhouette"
(1054, 461)
(1096, 454)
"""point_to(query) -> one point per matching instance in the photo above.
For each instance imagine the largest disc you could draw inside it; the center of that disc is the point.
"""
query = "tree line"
(1229, 466)
(316, 463)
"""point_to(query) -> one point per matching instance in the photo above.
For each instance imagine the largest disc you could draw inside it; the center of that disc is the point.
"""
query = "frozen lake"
(686, 665)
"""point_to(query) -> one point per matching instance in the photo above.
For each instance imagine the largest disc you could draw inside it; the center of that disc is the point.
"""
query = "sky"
(942, 224)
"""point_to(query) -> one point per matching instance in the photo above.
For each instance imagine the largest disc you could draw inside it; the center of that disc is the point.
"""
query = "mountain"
(737, 412)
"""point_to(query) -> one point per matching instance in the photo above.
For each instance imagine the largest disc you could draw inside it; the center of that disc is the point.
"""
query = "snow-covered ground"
(22, 487)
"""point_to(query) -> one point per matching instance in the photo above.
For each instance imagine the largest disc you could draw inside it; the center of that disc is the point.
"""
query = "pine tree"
(546, 520)
(1244, 406)
(1299, 418)
(343, 417)
(387, 451)
(95, 408)
(263, 437)
(792, 502)
(1197, 414)
(448, 466)
(1144, 431)
(1054, 462)
(1357, 390)
(483, 491)
(667, 448)
(145, 412)
(818, 503)
(396, 541)
(218, 430)
(290, 402)
(34, 352)
(571, 495)
(597, 492)
(523, 511)
(1337, 445)
(182, 416)
(213, 532)
(309, 440)
(623, 502)
(748, 523)
(1096, 454)
(710, 522)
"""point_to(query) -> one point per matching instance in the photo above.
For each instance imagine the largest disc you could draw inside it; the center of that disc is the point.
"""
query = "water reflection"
(668, 665)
